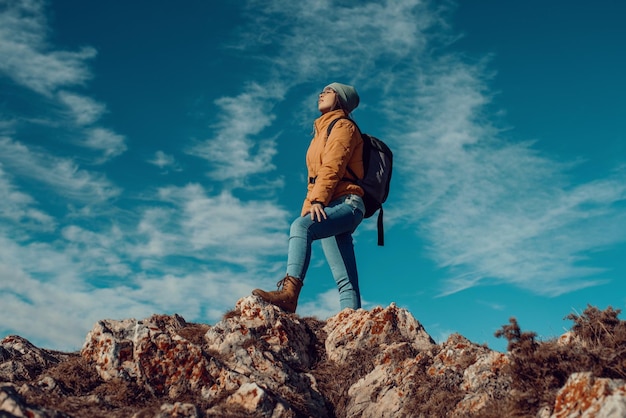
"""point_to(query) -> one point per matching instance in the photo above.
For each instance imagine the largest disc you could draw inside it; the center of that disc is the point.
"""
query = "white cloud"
(172, 258)
(169, 258)
(20, 209)
(84, 110)
(323, 306)
(163, 160)
(58, 315)
(26, 57)
(233, 152)
(96, 253)
(110, 143)
(219, 228)
(494, 210)
(62, 174)
(323, 38)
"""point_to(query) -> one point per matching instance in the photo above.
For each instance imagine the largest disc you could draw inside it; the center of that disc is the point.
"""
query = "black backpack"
(377, 166)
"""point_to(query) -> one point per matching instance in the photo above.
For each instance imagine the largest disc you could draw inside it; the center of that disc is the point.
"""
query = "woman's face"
(327, 100)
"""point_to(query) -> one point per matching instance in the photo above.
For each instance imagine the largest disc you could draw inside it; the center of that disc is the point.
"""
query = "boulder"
(20, 360)
(151, 352)
(585, 396)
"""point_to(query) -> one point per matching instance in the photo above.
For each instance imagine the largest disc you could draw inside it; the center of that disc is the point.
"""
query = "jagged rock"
(478, 368)
(13, 405)
(483, 381)
(250, 397)
(265, 352)
(352, 330)
(385, 391)
(284, 335)
(585, 396)
(389, 390)
(259, 361)
(388, 338)
(178, 410)
(151, 352)
(20, 360)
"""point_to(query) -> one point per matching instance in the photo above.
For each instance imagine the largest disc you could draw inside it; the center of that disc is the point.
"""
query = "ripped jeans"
(335, 232)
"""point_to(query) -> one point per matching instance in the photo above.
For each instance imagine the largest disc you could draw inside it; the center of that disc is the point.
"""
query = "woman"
(333, 207)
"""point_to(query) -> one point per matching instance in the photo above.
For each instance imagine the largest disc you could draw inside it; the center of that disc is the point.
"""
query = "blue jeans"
(335, 232)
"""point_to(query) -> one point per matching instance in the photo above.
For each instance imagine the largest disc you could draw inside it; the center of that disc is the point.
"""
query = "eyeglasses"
(327, 91)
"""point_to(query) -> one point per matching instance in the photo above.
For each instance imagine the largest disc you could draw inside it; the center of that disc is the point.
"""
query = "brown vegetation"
(596, 344)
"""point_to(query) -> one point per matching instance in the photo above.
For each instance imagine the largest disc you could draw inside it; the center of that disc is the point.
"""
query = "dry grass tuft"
(194, 333)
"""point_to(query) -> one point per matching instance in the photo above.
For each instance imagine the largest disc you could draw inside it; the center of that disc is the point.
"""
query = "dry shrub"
(194, 333)
(537, 369)
(75, 376)
(233, 313)
(315, 328)
(433, 395)
(334, 379)
(540, 369)
(603, 337)
(76, 379)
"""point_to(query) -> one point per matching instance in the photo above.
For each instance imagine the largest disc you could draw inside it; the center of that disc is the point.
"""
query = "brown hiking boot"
(285, 298)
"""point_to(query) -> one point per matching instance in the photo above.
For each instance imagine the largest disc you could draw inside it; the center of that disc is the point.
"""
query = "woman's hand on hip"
(317, 212)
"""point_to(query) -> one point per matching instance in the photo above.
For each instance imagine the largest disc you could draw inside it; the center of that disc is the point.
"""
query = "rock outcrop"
(260, 361)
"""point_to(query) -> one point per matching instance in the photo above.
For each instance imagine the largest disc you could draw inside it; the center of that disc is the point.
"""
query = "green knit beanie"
(348, 97)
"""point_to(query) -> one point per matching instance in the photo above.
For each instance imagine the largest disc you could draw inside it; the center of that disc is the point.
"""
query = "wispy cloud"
(325, 304)
(335, 40)
(221, 228)
(235, 152)
(186, 252)
(84, 110)
(105, 140)
(63, 175)
(320, 38)
(56, 310)
(26, 56)
(164, 161)
(19, 210)
(494, 210)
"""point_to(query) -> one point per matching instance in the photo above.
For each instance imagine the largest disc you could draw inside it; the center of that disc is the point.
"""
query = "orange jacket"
(327, 159)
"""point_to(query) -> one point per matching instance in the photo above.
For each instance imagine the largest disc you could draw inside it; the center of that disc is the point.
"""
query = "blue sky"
(152, 158)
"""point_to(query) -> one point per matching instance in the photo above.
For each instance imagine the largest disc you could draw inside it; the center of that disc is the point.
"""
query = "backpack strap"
(381, 229)
(355, 178)
(330, 127)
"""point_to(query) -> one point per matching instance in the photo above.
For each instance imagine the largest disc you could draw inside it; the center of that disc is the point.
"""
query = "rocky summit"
(259, 361)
